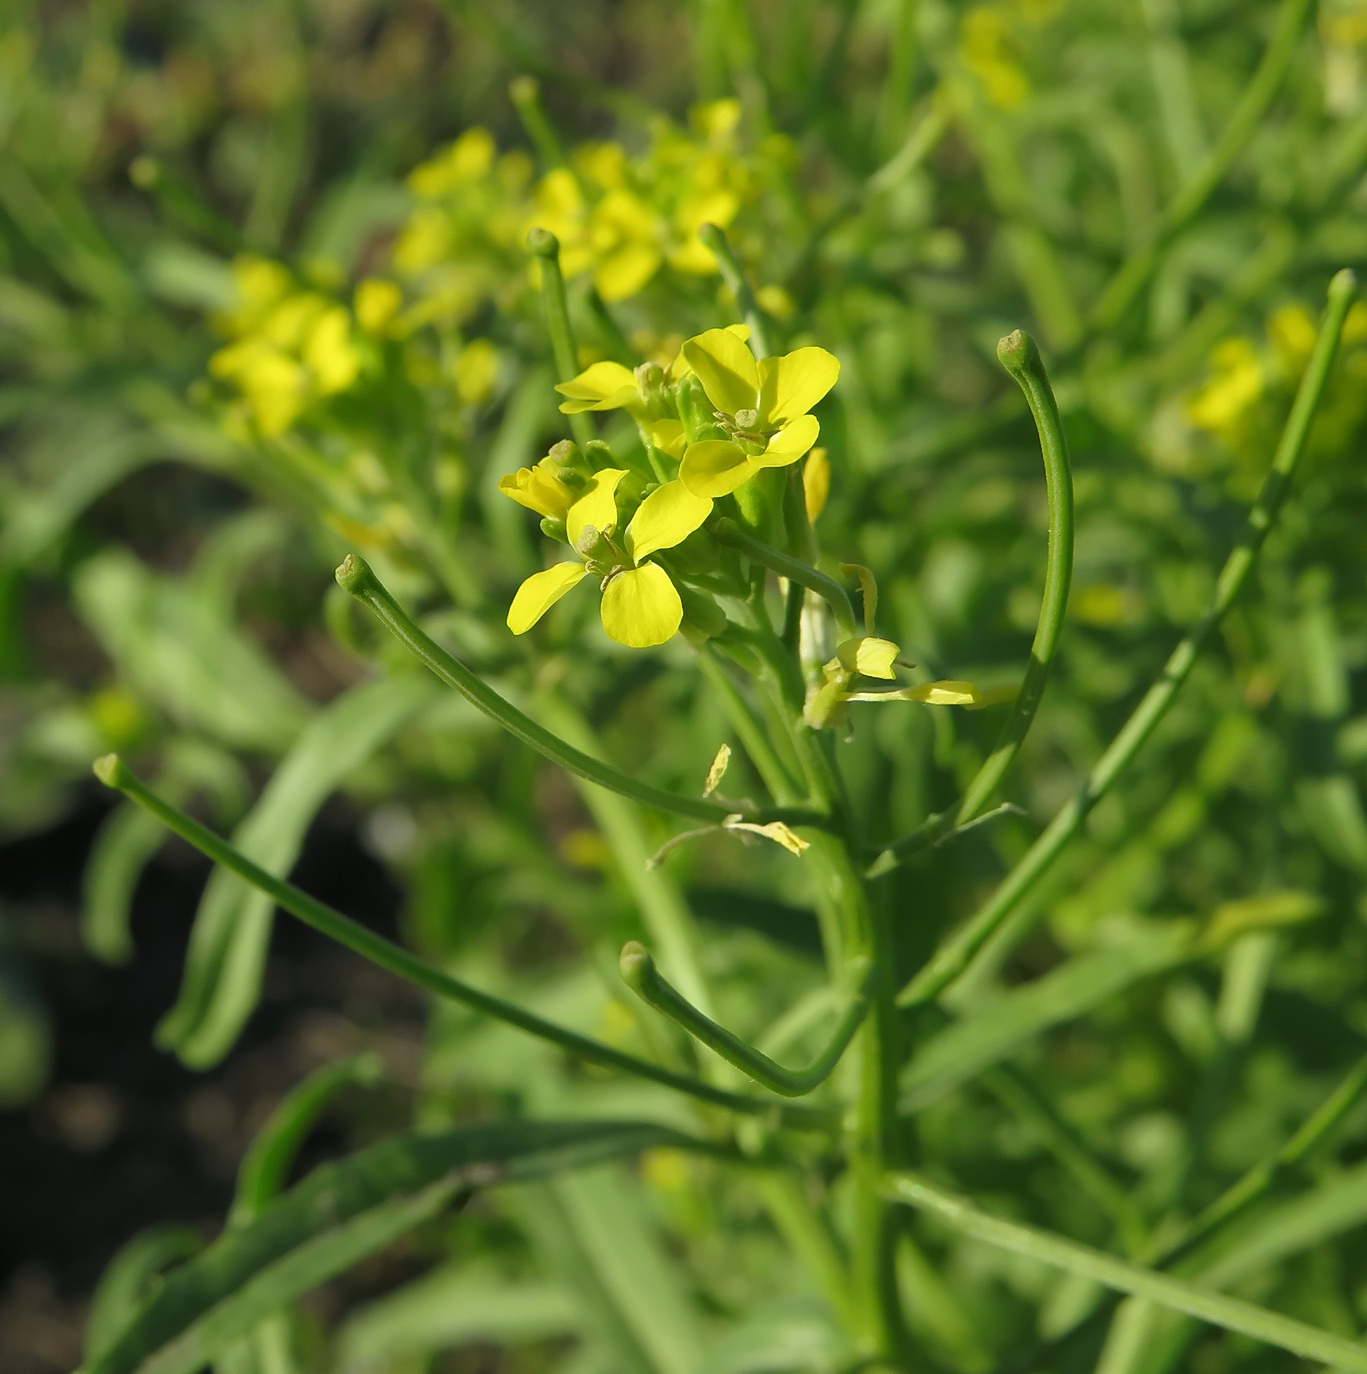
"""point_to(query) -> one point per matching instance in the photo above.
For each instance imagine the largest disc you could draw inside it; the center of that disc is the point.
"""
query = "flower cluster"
(708, 425)
(618, 218)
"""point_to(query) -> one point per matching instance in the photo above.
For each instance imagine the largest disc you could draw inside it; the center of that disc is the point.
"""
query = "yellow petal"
(776, 831)
(641, 608)
(790, 443)
(714, 467)
(726, 369)
(597, 506)
(668, 436)
(540, 592)
(665, 518)
(816, 482)
(718, 770)
(867, 655)
(604, 386)
(539, 489)
(790, 386)
(625, 272)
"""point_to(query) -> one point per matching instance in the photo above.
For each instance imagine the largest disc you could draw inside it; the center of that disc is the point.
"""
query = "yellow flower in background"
(640, 605)
(1236, 383)
(476, 372)
(985, 48)
(376, 303)
(291, 347)
(763, 405)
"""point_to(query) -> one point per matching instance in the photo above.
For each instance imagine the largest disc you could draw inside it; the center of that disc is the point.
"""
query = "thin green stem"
(729, 533)
(1021, 358)
(643, 978)
(1254, 1185)
(1205, 1304)
(733, 274)
(1137, 270)
(546, 248)
(113, 772)
(525, 93)
(754, 738)
(1021, 1096)
(356, 577)
(1263, 1177)
(954, 956)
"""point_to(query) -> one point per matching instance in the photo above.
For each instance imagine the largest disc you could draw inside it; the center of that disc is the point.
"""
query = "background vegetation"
(265, 300)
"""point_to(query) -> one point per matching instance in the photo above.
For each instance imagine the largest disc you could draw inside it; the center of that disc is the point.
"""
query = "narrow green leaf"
(222, 981)
(1008, 1021)
(455, 1305)
(200, 669)
(129, 1277)
(1203, 1303)
(340, 1213)
(262, 1172)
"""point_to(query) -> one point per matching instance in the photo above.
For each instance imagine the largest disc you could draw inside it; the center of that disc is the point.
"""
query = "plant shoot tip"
(543, 243)
(109, 769)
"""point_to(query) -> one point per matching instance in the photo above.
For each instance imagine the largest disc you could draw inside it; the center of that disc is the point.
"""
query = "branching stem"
(113, 772)
(954, 956)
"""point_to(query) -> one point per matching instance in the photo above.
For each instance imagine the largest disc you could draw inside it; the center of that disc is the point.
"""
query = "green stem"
(546, 247)
(715, 240)
(1022, 360)
(525, 93)
(1206, 1305)
(1263, 1177)
(954, 956)
(729, 533)
(1135, 273)
(356, 577)
(643, 978)
(113, 772)
(1260, 1180)
(754, 738)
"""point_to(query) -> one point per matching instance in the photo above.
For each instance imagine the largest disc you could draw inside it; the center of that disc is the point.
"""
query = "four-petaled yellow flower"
(762, 406)
(640, 607)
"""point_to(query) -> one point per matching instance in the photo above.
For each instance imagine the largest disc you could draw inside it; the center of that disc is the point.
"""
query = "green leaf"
(339, 1214)
(1008, 1021)
(455, 1305)
(1203, 1303)
(128, 1280)
(198, 667)
(222, 982)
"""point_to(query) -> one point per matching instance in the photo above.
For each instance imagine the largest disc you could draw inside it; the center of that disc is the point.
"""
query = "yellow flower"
(640, 606)
(1236, 384)
(601, 386)
(377, 302)
(476, 371)
(763, 406)
(542, 488)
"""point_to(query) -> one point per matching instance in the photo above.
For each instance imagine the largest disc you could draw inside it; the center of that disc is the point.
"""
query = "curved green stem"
(954, 956)
(643, 978)
(113, 772)
(1135, 273)
(546, 247)
(356, 577)
(729, 533)
(716, 242)
(1021, 358)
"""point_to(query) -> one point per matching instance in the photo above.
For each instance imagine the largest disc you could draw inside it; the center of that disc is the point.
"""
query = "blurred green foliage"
(264, 300)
